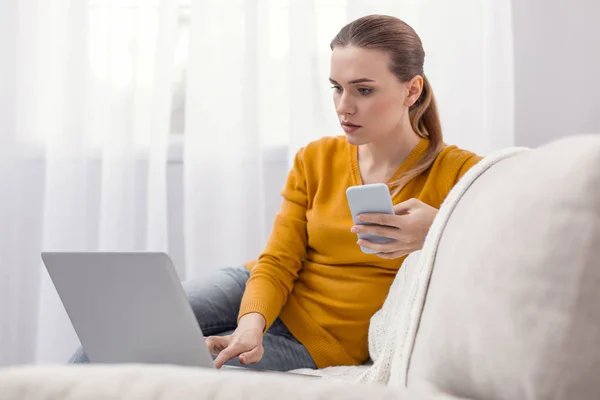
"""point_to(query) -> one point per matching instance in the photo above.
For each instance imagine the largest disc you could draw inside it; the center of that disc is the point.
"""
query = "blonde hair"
(401, 42)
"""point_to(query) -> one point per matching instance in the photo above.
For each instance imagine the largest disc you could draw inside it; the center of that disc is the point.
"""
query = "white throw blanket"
(392, 329)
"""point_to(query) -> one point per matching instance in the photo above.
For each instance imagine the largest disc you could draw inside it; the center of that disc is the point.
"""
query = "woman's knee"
(216, 299)
(79, 357)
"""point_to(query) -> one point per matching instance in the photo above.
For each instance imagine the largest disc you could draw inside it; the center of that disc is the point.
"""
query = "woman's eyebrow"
(353, 81)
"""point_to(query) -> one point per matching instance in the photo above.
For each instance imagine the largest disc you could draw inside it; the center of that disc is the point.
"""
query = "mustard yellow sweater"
(312, 274)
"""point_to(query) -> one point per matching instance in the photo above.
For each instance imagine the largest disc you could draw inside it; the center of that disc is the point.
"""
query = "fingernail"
(359, 217)
(353, 229)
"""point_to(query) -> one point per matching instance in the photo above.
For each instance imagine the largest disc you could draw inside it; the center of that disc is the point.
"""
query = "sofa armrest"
(160, 382)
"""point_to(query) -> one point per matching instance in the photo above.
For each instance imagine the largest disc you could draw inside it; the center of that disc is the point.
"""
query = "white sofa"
(512, 309)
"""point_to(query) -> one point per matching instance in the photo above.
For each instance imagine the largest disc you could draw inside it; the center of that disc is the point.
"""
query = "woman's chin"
(354, 139)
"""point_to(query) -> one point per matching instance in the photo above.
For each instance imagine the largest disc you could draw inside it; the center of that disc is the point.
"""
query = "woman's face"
(371, 103)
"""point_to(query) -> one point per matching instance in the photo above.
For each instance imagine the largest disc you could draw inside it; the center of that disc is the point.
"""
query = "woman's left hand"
(408, 227)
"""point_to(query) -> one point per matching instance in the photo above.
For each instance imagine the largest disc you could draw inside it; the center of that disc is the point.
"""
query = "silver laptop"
(128, 307)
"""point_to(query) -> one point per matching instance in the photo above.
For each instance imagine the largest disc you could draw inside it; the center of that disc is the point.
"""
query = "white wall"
(557, 69)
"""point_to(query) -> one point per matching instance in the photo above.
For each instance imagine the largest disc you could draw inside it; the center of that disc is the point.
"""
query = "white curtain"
(85, 103)
(258, 90)
(86, 106)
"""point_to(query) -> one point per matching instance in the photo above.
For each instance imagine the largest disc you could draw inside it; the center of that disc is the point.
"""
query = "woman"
(307, 300)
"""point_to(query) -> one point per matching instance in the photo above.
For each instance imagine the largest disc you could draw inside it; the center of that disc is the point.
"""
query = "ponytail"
(425, 121)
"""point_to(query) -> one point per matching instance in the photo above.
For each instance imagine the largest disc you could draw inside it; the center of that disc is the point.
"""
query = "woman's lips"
(349, 127)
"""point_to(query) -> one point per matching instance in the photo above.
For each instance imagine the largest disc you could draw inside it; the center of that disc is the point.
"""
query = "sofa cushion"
(513, 305)
(163, 382)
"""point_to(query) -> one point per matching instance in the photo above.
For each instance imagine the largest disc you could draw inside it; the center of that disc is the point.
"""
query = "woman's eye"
(365, 91)
(337, 88)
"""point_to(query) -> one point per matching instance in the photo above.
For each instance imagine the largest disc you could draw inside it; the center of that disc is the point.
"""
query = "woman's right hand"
(245, 342)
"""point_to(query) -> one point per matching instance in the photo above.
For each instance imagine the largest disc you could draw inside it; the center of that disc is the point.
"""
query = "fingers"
(232, 351)
(216, 344)
(385, 248)
(229, 347)
(393, 255)
(379, 230)
(408, 227)
(380, 219)
(253, 356)
(406, 206)
(400, 209)
(398, 248)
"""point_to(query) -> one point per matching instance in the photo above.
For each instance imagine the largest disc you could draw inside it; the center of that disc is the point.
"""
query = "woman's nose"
(345, 106)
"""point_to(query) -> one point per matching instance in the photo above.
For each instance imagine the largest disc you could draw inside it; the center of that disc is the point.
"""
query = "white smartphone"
(371, 198)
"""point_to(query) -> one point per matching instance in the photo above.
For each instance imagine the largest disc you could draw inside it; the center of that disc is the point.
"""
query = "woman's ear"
(414, 89)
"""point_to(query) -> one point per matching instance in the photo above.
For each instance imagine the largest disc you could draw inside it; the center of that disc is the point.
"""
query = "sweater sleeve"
(272, 278)
(469, 160)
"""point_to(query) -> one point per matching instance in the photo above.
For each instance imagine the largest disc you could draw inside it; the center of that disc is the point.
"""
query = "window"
(181, 65)
(330, 16)
(276, 84)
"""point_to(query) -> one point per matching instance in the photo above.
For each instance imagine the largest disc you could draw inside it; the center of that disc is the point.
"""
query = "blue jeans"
(216, 304)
